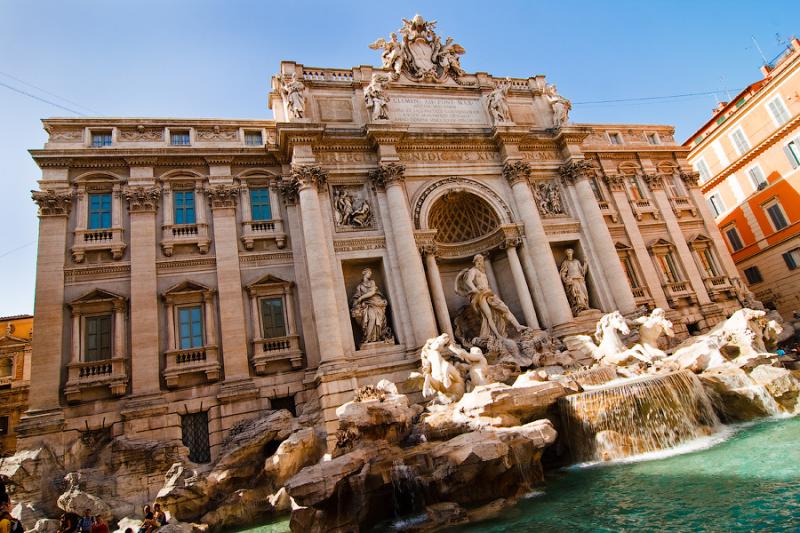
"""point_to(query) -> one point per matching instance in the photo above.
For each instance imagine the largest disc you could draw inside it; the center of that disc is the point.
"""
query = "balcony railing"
(641, 206)
(86, 376)
(173, 235)
(277, 353)
(90, 240)
(181, 364)
(313, 74)
(682, 204)
(606, 209)
(253, 230)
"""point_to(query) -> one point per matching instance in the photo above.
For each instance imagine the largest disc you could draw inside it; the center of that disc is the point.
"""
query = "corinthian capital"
(142, 198)
(654, 181)
(53, 203)
(615, 182)
(691, 179)
(223, 195)
(309, 176)
(574, 170)
(516, 171)
(387, 174)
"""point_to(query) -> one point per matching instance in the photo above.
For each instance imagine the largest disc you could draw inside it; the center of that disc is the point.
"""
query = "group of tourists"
(88, 523)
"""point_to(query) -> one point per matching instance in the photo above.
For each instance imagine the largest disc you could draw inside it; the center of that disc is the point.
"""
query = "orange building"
(748, 157)
(15, 376)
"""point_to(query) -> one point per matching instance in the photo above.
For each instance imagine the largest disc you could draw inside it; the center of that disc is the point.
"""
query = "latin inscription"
(413, 109)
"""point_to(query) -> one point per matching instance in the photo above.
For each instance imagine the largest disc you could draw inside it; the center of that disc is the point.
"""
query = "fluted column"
(575, 173)
(305, 182)
(523, 292)
(233, 334)
(656, 185)
(412, 272)
(145, 351)
(436, 289)
(46, 363)
(541, 255)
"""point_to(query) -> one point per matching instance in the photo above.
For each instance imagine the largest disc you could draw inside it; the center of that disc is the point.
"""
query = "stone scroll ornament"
(419, 53)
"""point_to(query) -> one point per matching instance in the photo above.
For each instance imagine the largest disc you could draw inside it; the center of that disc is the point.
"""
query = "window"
(740, 141)
(633, 279)
(100, 211)
(792, 151)
(709, 264)
(702, 167)
(98, 338)
(776, 215)
(778, 111)
(179, 138)
(598, 192)
(615, 138)
(652, 138)
(194, 435)
(287, 402)
(635, 188)
(259, 204)
(753, 275)
(6, 367)
(757, 177)
(733, 238)
(792, 258)
(101, 138)
(716, 203)
(184, 207)
(671, 270)
(253, 138)
(272, 318)
(190, 327)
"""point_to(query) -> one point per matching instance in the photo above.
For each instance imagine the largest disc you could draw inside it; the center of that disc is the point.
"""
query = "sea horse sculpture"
(442, 378)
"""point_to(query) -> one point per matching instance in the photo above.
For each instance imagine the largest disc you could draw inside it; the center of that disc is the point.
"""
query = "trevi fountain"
(600, 415)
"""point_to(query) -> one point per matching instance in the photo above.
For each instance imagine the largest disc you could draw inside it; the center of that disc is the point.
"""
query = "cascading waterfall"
(641, 415)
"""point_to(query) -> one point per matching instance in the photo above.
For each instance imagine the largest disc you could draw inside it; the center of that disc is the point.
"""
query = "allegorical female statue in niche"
(368, 308)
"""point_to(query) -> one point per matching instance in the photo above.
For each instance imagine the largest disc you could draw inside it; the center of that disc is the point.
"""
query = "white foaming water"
(405, 523)
(533, 494)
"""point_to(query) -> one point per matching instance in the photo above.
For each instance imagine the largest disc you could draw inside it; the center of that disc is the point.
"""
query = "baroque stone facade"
(193, 273)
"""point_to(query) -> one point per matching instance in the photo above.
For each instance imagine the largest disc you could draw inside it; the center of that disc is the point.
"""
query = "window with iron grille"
(253, 138)
(260, 208)
(101, 138)
(100, 211)
(179, 138)
(194, 434)
(98, 338)
(753, 275)
(184, 207)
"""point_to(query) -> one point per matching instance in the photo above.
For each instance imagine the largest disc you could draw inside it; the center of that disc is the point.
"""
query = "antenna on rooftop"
(760, 52)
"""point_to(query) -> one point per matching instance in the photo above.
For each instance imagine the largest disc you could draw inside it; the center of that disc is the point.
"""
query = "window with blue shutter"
(260, 208)
(190, 327)
(184, 207)
(100, 211)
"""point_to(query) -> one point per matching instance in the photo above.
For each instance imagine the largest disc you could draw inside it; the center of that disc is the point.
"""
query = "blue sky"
(214, 59)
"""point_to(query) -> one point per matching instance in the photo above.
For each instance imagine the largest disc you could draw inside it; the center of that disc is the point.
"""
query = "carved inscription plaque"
(428, 110)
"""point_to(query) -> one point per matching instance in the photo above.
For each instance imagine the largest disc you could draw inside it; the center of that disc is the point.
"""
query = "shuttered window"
(190, 326)
(98, 338)
(272, 317)
(184, 207)
(260, 208)
(753, 275)
(100, 211)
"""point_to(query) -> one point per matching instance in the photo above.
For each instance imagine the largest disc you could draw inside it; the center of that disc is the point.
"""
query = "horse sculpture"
(442, 378)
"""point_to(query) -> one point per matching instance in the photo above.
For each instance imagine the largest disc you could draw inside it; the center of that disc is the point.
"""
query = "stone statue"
(442, 378)
(376, 98)
(368, 308)
(349, 211)
(362, 215)
(650, 329)
(573, 275)
(496, 103)
(473, 284)
(610, 349)
(392, 55)
(561, 106)
(478, 366)
(446, 56)
(294, 93)
(548, 198)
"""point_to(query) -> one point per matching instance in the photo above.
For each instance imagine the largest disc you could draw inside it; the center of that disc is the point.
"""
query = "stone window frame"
(198, 359)
(91, 132)
(179, 129)
(777, 98)
(254, 230)
(243, 131)
(276, 351)
(699, 245)
(110, 372)
(662, 248)
(102, 239)
(172, 234)
(772, 202)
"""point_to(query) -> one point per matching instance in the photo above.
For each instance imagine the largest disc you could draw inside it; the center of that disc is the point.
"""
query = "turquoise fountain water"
(749, 482)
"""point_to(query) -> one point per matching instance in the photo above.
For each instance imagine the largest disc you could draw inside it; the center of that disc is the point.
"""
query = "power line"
(651, 98)
(20, 91)
(6, 74)
(18, 248)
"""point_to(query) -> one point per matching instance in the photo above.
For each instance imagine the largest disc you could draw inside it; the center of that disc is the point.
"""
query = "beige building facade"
(15, 376)
(748, 157)
(194, 273)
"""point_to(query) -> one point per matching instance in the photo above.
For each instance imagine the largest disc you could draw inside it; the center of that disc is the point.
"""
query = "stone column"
(656, 185)
(75, 356)
(691, 179)
(542, 256)
(145, 350)
(575, 173)
(436, 289)
(487, 265)
(616, 184)
(523, 293)
(391, 176)
(229, 283)
(119, 329)
(54, 208)
(305, 182)
(534, 285)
